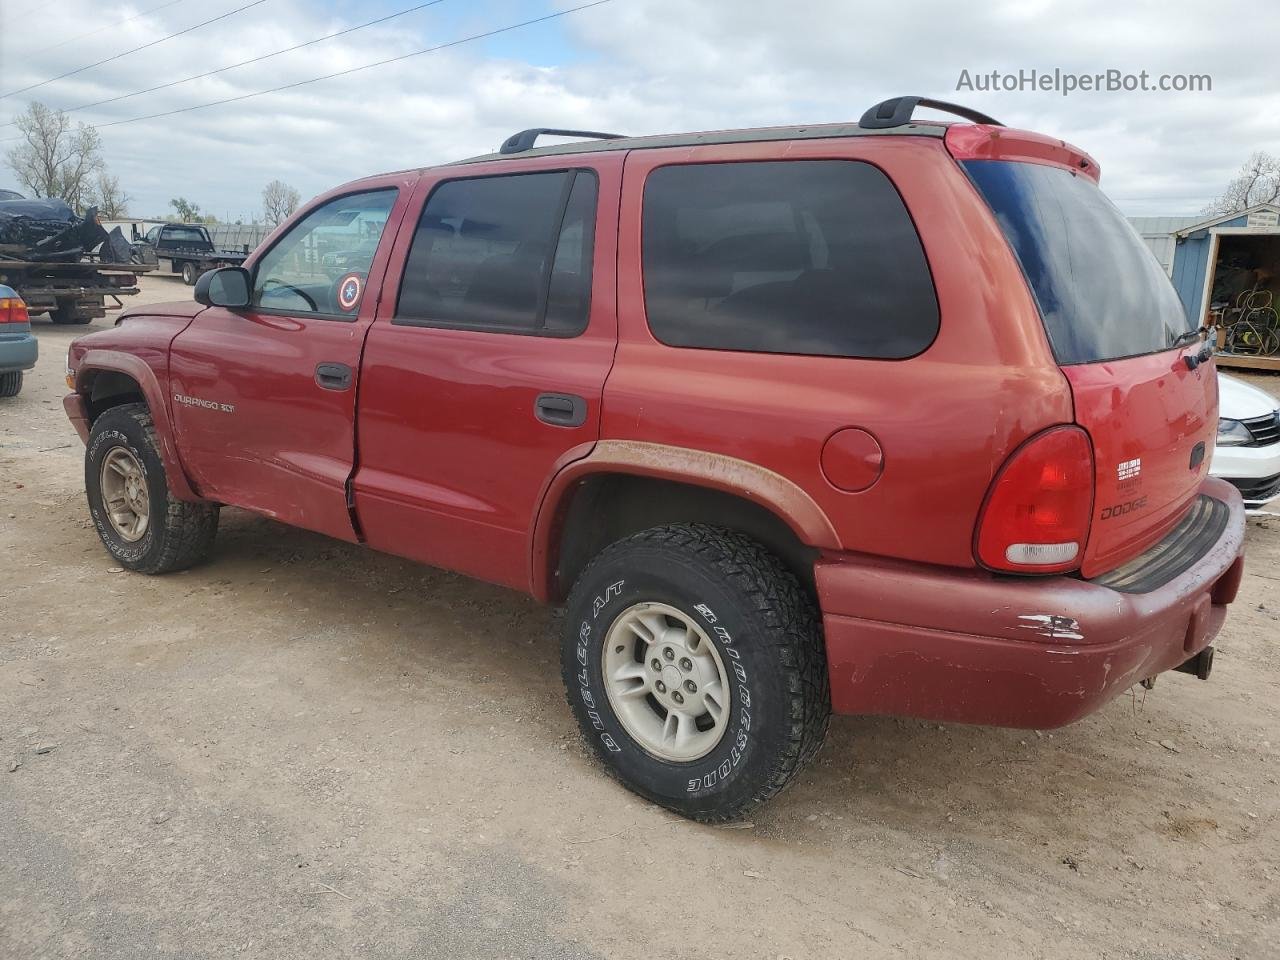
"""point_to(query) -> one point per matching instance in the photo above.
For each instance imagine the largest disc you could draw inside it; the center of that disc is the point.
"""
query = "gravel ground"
(304, 749)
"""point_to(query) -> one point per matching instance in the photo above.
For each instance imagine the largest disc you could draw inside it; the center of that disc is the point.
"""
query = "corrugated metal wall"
(234, 236)
(1157, 233)
(1190, 261)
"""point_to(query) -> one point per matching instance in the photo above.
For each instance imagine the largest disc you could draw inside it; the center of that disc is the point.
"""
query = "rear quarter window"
(813, 257)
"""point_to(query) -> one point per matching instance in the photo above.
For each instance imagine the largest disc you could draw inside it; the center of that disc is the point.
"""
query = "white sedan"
(1247, 453)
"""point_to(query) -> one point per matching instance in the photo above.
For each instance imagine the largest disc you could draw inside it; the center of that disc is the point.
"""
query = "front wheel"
(694, 663)
(142, 525)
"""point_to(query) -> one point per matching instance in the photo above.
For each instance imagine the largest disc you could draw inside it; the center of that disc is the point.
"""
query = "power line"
(118, 23)
(245, 63)
(72, 73)
(367, 66)
(30, 10)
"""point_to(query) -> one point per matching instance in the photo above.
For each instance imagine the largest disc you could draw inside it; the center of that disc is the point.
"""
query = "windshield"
(1101, 292)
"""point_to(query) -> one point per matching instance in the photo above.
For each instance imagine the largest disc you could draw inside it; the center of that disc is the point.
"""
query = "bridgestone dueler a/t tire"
(766, 631)
(180, 534)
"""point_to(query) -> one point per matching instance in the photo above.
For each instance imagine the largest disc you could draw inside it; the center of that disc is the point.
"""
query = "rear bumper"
(971, 647)
(18, 351)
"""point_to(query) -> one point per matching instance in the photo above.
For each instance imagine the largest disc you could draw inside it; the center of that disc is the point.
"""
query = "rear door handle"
(560, 409)
(334, 376)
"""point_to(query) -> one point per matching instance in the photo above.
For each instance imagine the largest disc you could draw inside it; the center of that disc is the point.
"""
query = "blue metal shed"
(1197, 248)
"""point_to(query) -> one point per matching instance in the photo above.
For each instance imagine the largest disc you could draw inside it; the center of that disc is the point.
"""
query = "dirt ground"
(306, 750)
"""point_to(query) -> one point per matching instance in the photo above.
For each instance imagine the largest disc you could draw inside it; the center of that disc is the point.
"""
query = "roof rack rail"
(897, 111)
(525, 139)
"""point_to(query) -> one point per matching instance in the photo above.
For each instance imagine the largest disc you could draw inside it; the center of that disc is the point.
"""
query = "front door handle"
(560, 409)
(334, 376)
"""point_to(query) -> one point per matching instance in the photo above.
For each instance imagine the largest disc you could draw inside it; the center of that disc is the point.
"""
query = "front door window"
(322, 264)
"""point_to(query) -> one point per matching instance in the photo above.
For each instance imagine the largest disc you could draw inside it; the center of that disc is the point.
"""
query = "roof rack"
(897, 111)
(525, 139)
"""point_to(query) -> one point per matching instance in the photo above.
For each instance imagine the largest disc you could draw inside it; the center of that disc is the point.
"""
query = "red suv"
(889, 417)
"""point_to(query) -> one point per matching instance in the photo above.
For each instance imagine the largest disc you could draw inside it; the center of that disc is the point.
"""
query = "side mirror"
(227, 287)
(133, 230)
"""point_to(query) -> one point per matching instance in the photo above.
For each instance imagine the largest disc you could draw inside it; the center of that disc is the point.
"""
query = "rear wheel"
(68, 314)
(142, 525)
(11, 383)
(694, 663)
(189, 274)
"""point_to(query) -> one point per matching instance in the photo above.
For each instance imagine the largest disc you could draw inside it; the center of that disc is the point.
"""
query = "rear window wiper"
(1194, 360)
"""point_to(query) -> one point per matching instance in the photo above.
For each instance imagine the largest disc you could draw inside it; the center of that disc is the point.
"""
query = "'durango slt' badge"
(349, 292)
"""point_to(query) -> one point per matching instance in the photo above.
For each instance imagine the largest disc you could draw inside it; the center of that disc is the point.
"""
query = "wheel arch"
(622, 487)
(109, 378)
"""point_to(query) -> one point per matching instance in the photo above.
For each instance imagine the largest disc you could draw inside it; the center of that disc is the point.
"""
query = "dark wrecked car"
(62, 263)
(39, 231)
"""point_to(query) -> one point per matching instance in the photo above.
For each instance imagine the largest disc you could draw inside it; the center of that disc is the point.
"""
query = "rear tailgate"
(1152, 421)
(1119, 335)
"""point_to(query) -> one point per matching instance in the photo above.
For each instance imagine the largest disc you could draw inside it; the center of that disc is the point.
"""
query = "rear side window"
(1101, 292)
(506, 254)
(815, 257)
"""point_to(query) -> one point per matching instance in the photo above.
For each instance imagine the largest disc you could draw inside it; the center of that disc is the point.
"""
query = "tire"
(10, 383)
(177, 534)
(189, 274)
(68, 316)
(763, 630)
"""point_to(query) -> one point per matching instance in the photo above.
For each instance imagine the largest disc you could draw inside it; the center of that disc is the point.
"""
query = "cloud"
(637, 66)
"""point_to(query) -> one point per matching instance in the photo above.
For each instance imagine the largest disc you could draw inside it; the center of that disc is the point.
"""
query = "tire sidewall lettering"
(712, 772)
(100, 444)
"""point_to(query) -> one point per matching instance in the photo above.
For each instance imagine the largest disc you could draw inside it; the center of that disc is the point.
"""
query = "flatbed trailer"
(72, 293)
(185, 249)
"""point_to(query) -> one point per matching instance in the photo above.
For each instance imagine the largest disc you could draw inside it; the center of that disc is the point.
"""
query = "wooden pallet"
(1238, 362)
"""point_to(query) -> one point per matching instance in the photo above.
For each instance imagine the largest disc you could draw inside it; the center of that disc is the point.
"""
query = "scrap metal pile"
(49, 231)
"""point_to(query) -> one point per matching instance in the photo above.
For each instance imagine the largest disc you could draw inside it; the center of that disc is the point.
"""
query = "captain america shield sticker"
(349, 288)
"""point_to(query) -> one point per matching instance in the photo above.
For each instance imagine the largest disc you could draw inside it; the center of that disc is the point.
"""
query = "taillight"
(1036, 518)
(14, 310)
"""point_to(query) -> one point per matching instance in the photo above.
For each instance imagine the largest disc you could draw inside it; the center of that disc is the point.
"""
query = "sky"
(631, 66)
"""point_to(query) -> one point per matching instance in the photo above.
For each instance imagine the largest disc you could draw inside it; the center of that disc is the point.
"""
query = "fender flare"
(718, 471)
(115, 361)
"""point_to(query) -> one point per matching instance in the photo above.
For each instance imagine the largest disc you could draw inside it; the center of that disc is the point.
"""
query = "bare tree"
(111, 201)
(1257, 182)
(55, 158)
(279, 200)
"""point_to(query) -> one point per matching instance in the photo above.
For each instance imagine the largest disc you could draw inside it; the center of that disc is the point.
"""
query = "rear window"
(1102, 294)
(184, 235)
(815, 257)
